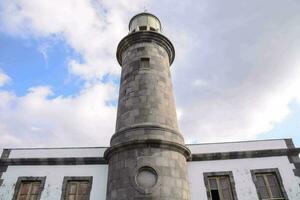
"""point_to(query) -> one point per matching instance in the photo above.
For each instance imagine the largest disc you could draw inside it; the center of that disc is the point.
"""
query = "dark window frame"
(76, 178)
(22, 179)
(145, 62)
(274, 171)
(229, 174)
(142, 28)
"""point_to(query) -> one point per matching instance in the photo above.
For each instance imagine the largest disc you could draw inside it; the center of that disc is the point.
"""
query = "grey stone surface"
(291, 153)
(169, 165)
(3, 166)
(146, 93)
(146, 96)
(147, 134)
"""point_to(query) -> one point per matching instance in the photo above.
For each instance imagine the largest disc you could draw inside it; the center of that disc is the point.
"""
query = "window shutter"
(77, 190)
(225, 188)
(274, 186)
(213, 184)
(145, 62)
(262, 187)
(29, 190)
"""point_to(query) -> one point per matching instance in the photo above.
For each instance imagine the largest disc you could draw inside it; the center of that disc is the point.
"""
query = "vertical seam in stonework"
(289, 143)
(5, 154)
(294, 159)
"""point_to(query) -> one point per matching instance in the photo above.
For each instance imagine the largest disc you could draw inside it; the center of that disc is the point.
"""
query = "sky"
(236, 75)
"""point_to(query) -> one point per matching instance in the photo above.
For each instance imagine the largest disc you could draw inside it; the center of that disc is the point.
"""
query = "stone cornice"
(145, 127)
(4, 162)
(3, 167)
(244, 154)
(145, 36)
(54, 161)
(148, 143)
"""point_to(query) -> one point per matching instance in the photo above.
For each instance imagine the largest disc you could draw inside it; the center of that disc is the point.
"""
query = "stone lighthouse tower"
(147, 157)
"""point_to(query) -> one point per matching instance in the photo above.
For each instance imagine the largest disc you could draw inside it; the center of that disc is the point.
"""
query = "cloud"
(240, 65)
(4, 78)
(92, 28)
(39, 119)
(237, 63)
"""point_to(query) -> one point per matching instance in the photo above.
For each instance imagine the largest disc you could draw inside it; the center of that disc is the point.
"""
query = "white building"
(235, 167)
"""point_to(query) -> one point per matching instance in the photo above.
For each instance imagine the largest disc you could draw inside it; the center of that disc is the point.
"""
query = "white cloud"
(249, 61)
(91, 28)
(4, 78)
(238, 64)
(36, 119)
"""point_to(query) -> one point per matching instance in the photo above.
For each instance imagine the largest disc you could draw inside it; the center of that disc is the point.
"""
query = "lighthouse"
(147, 156)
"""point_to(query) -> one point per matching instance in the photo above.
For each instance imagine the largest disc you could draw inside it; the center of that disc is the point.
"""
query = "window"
(143, 28)
(29, 188)
(220, 186)
(145, 62)
(152, 29)
(140, 49)
(268, 184)
(76, 188)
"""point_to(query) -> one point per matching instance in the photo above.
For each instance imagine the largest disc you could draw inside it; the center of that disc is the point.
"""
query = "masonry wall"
(54, 179)
(55, 173)
(240, 168)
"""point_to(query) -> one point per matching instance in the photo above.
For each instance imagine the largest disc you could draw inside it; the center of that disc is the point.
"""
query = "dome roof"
(144, 21)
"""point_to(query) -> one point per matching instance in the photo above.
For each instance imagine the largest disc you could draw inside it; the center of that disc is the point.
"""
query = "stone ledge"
(145, 36)
(147, 127)
(3, 167)
(245, 154)
(148, 143)
(4, 162)
(53, 161)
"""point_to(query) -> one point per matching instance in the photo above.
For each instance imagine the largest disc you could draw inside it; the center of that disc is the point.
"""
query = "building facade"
(147, 158)
(232, 170)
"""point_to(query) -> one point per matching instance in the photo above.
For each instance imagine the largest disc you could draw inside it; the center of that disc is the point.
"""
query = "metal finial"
(145, 9)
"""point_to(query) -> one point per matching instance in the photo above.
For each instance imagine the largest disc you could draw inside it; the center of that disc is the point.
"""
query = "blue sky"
(59, 76)
(22, 59)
